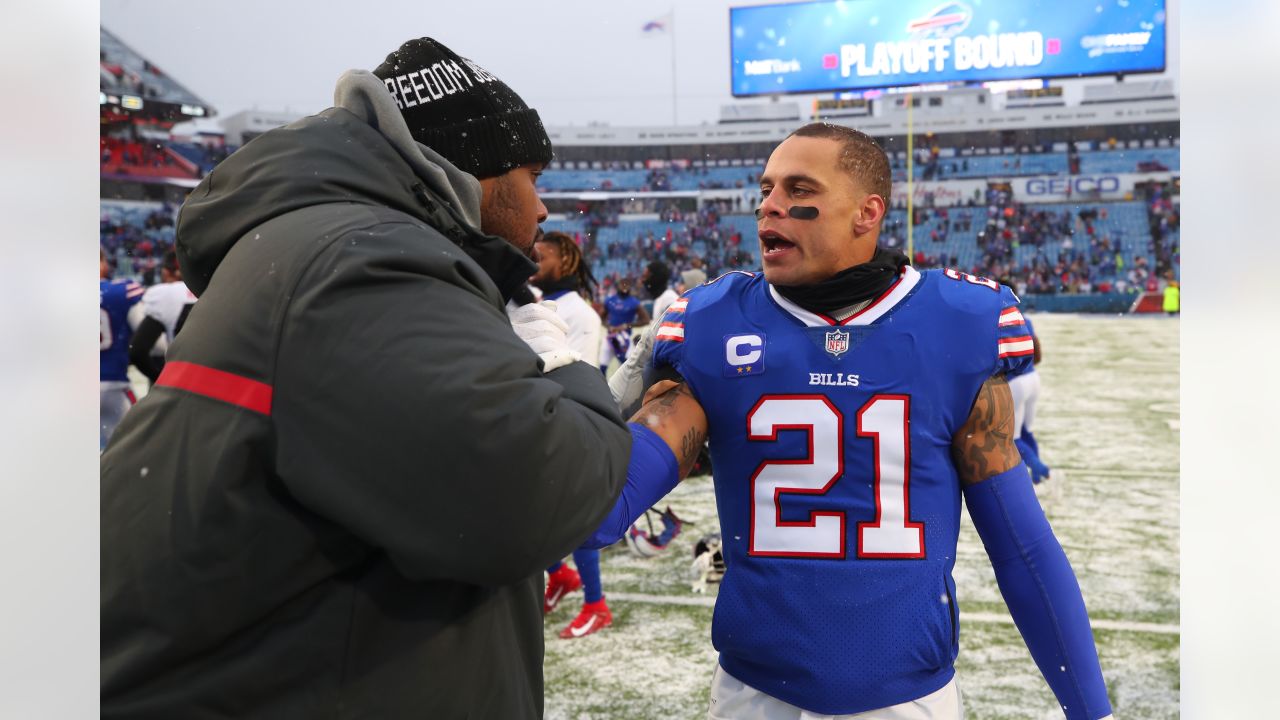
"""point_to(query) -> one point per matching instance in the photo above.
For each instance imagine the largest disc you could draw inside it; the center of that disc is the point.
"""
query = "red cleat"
(560, 583)
(593, 618)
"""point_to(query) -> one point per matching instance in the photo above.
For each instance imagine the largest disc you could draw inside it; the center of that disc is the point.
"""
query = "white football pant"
(732, 699)
(117, 398)
(1025, 390)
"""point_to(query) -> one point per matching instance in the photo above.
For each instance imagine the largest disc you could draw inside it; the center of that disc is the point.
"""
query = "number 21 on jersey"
(884, 420)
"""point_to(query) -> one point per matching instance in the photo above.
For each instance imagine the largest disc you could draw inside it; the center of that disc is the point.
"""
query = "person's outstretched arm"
(1033, 573)
(667, 432)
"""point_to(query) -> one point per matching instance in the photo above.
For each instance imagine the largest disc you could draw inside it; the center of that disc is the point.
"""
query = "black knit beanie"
(458, 109)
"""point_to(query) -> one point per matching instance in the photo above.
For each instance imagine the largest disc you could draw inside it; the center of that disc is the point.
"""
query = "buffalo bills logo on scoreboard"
(837, 343)
(743, 354)
(822, 46)
(943, 21)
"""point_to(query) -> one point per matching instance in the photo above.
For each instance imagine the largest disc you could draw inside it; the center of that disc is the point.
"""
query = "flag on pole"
(657, 26)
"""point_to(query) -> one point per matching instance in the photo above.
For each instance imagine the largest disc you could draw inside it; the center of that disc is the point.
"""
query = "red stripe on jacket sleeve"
(217, 384)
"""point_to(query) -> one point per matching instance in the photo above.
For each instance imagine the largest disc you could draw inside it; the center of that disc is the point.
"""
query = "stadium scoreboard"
(843, 45)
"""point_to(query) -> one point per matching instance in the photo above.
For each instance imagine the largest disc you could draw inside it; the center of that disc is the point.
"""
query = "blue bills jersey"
(114, 301)
(839, 503)
(621, 309)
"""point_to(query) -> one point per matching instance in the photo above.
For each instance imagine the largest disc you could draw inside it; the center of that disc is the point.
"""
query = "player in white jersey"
(656, 279)
(562, 277)
(166, 305)
(1025, 389)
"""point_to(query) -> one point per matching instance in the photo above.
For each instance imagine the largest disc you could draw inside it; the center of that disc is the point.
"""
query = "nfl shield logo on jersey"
(837, 342)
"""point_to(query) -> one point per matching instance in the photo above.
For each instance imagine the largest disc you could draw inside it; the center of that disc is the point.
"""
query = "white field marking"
(974, 617)
(1122, 625)
(1115, 473)
(663, 599)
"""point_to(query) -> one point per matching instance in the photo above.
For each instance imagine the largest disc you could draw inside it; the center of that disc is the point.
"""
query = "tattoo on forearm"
(984, 446)
(690, 445)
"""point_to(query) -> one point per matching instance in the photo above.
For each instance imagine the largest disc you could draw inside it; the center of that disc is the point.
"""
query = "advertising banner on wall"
(1082, 188)
(1027, 189)
(837, 45)
(942, 193)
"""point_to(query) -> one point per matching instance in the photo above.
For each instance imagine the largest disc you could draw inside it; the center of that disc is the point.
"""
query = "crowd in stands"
(681, 178)
(205, 156)
(1164, 216)
(117, 151)
(1063, 248)
(680, 239)
(136, 237)
(663, 179)
(136, 156)
(938, 163)
(1041, 248)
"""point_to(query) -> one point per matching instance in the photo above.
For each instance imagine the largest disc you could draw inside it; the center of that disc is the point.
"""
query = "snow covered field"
(1107, 424)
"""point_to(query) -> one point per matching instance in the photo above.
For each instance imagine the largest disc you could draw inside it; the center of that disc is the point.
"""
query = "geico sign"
(1073, 185)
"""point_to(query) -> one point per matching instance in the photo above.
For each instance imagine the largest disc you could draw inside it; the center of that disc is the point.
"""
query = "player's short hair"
(170, 261)
(862, 157)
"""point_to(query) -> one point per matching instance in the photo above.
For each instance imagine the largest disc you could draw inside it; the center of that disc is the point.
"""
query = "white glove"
(627, 382)
(542, 329)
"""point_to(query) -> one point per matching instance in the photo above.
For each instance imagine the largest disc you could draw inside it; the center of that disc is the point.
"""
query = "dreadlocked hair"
(571, 261)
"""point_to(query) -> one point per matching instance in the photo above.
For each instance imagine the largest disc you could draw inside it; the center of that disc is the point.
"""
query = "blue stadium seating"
(948, 168)
(1128, 160)
(591, 180)
(565, 226)
(979, 166)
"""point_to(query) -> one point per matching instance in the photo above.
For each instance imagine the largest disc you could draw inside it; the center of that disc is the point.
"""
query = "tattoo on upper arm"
(662, 406)
(984, 446)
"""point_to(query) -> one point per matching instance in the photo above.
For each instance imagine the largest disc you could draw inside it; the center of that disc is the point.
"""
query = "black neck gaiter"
(849, 286)
(549, 287)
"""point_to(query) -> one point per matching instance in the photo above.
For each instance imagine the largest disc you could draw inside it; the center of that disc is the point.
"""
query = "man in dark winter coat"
(338, 499)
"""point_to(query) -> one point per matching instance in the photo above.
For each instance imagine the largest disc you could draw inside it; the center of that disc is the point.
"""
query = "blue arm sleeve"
(651, 474)
(1040, 589)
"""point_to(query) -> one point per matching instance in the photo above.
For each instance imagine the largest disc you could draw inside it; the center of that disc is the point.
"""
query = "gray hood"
(364, 95)
(359, 151)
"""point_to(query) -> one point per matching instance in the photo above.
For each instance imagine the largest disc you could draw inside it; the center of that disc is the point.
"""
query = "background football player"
(118, 312)
(166, 305)
(562, 276)
(623, 312)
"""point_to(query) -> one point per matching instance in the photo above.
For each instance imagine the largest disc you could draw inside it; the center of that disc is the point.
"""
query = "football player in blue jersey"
(623, 311)
(852, 402)
(118, 313)
(1025, 389)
